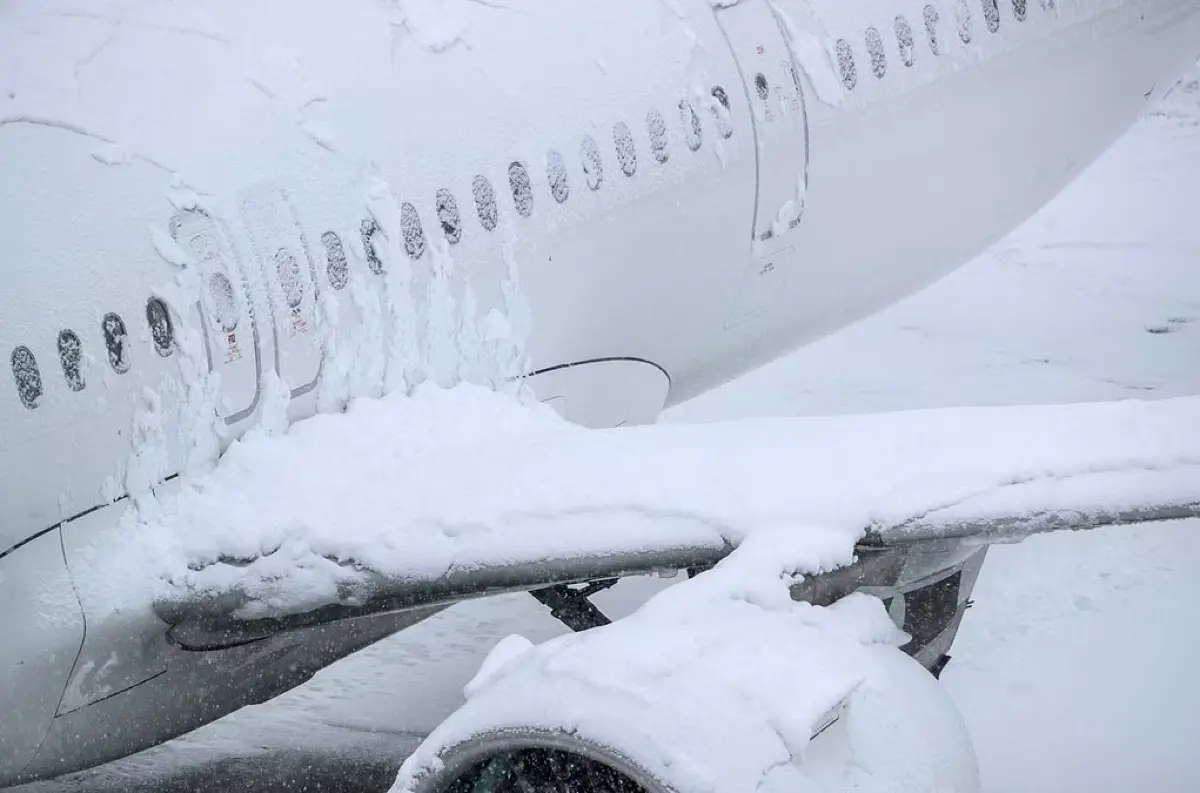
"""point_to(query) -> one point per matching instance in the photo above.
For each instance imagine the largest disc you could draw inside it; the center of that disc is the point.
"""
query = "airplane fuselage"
(215, 215)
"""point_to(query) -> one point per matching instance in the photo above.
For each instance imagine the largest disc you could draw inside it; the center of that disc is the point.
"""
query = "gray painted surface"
(351, 762)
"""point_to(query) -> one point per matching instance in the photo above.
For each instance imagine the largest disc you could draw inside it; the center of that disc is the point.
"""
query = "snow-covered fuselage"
(216, 213)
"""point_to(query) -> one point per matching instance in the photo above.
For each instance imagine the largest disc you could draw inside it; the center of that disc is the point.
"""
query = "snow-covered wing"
(466, 493)
(955, 524)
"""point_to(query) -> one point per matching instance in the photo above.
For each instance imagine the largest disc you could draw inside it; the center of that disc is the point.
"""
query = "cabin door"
(771, 81)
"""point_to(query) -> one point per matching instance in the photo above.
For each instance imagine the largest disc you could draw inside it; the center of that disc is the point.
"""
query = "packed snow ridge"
(416, 486)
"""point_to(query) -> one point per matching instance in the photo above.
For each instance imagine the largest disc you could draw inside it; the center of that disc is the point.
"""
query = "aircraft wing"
(826, 498)
(1145, 497)
(1015, 528)
(213, 619)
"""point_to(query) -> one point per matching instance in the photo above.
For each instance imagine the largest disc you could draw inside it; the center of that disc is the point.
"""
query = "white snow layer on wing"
(457, 478)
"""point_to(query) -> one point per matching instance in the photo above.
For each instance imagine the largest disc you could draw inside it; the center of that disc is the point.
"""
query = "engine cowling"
(692, 695)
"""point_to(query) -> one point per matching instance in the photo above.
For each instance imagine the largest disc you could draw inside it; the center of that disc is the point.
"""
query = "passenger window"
(845, 59)
(656, 125)
(70, 355)
(522, 189)
(991, 15)
(722, 112)
(931, 28)
(904, 40)
(162, 332)
(593, 166)
(116, 341)
(335, 260)
(693, 133)
(626, 152)
(224, 300)
(288, 271)
(28, 376)
(878, 56)
(448, 217)
(963, 12)
(411, 231)
(485, 202)
(556, 175)
(368, 230)
(1020, 9)
(761, 86)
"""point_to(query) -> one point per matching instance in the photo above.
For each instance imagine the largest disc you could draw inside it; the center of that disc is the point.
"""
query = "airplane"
(226, 210)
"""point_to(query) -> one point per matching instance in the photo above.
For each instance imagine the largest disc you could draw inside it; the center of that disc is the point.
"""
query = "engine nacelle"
(755, 696)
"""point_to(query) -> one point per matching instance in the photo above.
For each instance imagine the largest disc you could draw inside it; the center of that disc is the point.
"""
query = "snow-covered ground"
(1074, 670)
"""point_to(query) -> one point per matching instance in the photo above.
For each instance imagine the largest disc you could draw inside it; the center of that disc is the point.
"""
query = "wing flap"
(212, 619)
